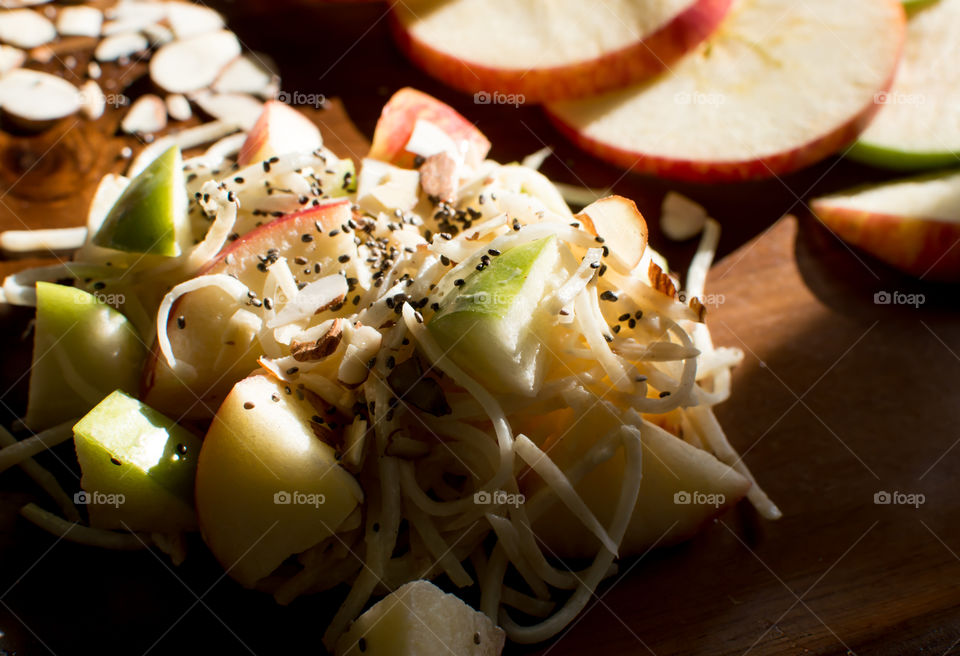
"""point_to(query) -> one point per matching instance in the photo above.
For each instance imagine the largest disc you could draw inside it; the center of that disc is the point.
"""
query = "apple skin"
(127, 448)
(399, 116)
(732, 171)
(613, 70)
(279, 130)
(720, 171)
(926, 248)
(166, 391)
(76, 329)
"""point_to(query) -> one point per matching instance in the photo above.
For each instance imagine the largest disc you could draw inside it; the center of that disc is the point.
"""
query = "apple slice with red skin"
(400, 115)
(913, 224)
(279, 130)
(753, 101)
(550, 51)
(198, 323)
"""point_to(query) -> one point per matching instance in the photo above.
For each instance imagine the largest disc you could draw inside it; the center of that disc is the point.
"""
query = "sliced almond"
(238, 108)
(438, 177)
(157, 34)
(16, 4)
(321, 348)
(92, 101)
(33, 99)
(118, 46)
(660, 280)
(188, 19)
(25, 28)
(146, 116)
(80, 20)
(246, 74)
(193, 63)
(680, 217)
(133, 17)
(11, 58)
(178, 107)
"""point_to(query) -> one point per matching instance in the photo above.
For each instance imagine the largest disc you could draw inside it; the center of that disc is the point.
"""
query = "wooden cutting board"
(838, 399)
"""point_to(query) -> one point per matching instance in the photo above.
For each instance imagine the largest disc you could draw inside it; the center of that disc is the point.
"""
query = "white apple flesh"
(918, 124)
(267, 486)
(419, 619)
(199, 326)
(674, 472)
(913, 225)
(753, 101)
(529, 51)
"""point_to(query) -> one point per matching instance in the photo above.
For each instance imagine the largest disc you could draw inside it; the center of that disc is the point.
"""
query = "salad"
(366, 377)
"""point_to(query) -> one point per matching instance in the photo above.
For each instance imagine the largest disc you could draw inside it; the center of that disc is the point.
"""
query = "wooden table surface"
(839, 399)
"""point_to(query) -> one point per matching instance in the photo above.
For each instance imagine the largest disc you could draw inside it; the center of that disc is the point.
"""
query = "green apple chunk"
(138, 467)
(150, 216)
(419, 619)
(267, 486)
(83, 349)
(487, 324)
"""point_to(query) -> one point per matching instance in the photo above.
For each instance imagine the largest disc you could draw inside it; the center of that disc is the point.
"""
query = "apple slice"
(562, 50)
(918, 124)
(203, 329)
(279, 130)
(138, 467)
(417, 619)
(399, 117)
(683, 487)
(617, 221)
(83, 349)
(150, 217)
(913, 225)
(268, 486)
(753, 101)
(485, 323)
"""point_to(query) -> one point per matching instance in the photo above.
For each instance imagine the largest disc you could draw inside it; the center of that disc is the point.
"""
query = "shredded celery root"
(609, 335)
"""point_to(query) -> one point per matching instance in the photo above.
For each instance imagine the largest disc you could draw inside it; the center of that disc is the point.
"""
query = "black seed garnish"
(248, 406)
(459, 282)
(115, 461)
(624, 316)
(664, 393)
(343, 259)
(181, 322)
(182, 449)
(608, 296)
(306, 237)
